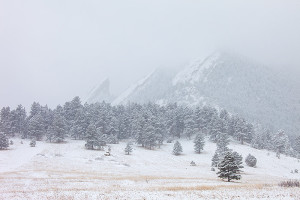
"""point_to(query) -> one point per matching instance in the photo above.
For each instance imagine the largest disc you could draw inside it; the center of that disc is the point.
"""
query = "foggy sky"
(51, 51)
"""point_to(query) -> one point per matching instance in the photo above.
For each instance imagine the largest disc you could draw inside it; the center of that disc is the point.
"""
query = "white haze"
(51, 51)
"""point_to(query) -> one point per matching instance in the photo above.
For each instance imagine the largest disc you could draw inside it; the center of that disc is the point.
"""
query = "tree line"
(149, 125)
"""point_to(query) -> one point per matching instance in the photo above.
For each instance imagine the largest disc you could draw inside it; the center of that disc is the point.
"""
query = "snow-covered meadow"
(68, 171)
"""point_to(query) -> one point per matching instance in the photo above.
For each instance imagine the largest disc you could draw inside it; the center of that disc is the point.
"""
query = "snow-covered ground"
(68, 171)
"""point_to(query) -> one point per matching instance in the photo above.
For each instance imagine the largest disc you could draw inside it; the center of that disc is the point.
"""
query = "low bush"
(290, 183)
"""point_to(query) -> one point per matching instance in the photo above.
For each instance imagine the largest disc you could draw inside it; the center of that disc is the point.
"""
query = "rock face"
(149, 89)
(100, 93)
(225, 81)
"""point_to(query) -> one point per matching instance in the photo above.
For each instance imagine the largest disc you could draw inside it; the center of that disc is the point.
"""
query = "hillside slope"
(69, 171)
(232, 82)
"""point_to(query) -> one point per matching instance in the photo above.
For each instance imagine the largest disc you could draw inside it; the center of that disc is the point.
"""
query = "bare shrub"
(289, 183)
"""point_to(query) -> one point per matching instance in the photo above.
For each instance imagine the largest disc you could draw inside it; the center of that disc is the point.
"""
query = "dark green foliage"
(128, 148)
(3, 141)
(57, 131)
(251, 160)
(199, 143)
(228, 169)
(32, 143)
(177, 149)
(36, 128)
(92, 138)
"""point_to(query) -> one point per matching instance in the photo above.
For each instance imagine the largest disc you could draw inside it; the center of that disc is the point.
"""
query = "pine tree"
(3, 141)
(19, 120)
(281, 143)
(177, 149)
(189, 125)
(35, 109)
(150, 137)
(128, 148)
(215, 160)
(222, 149)
(297, 145)
(199, 143)
(238, 159)
(32, 143)
(5, 121)
(57, 131)
(228, 169)
(222, 142)
(92, 138)
(215, 128)
(251, 160)
(36, 127)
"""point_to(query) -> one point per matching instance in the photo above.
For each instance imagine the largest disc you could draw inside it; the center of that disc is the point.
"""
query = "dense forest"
(149, 125)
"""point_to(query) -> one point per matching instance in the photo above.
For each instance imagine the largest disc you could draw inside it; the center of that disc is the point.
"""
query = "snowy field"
(68, 171)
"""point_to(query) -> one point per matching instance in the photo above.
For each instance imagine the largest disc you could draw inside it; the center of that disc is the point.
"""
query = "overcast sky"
(51, 51)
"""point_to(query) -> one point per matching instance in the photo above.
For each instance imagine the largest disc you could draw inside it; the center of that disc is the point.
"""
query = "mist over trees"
(149, 125)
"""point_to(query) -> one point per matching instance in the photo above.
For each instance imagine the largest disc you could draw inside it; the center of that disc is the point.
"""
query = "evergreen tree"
(57, 131)
(150, 137)
(36, 127)
(228, 169)
(297, 145)
(35, 109)
(251, 160)
(238, 159)
(222, 149)
(92, 138)
(3, 141)
(215, 128)
(80, 126)
(281, 143)
(128, 148)
(222, 142)
(243, 131)
(5, 121)
(215, 160)
(19, 120)
(177, 149)
(189, 125)
(32, 143)
(199, 143)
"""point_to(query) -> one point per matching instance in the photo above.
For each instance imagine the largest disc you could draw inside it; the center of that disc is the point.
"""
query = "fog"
(51, 51)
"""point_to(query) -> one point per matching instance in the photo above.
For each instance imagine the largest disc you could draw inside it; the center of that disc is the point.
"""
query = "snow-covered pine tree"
(297, 146)
(222, 149)
(128, 148)
(138, 130)
(243, 131)
(251, 160)
(92, 138)
(215, 128)
(36, 127)
(215, 160)
(238, 159)
(19, 122)
(35, 109)
(199, 143)
(281, 143)
(222, 142)
(159, 129)
(5, 121)
(189, 126)
(57, 131)
(228, 169)
(224, 116)
(80, 125)
(150, 137)
(3, 141)
(177, 149)
(32, 143)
